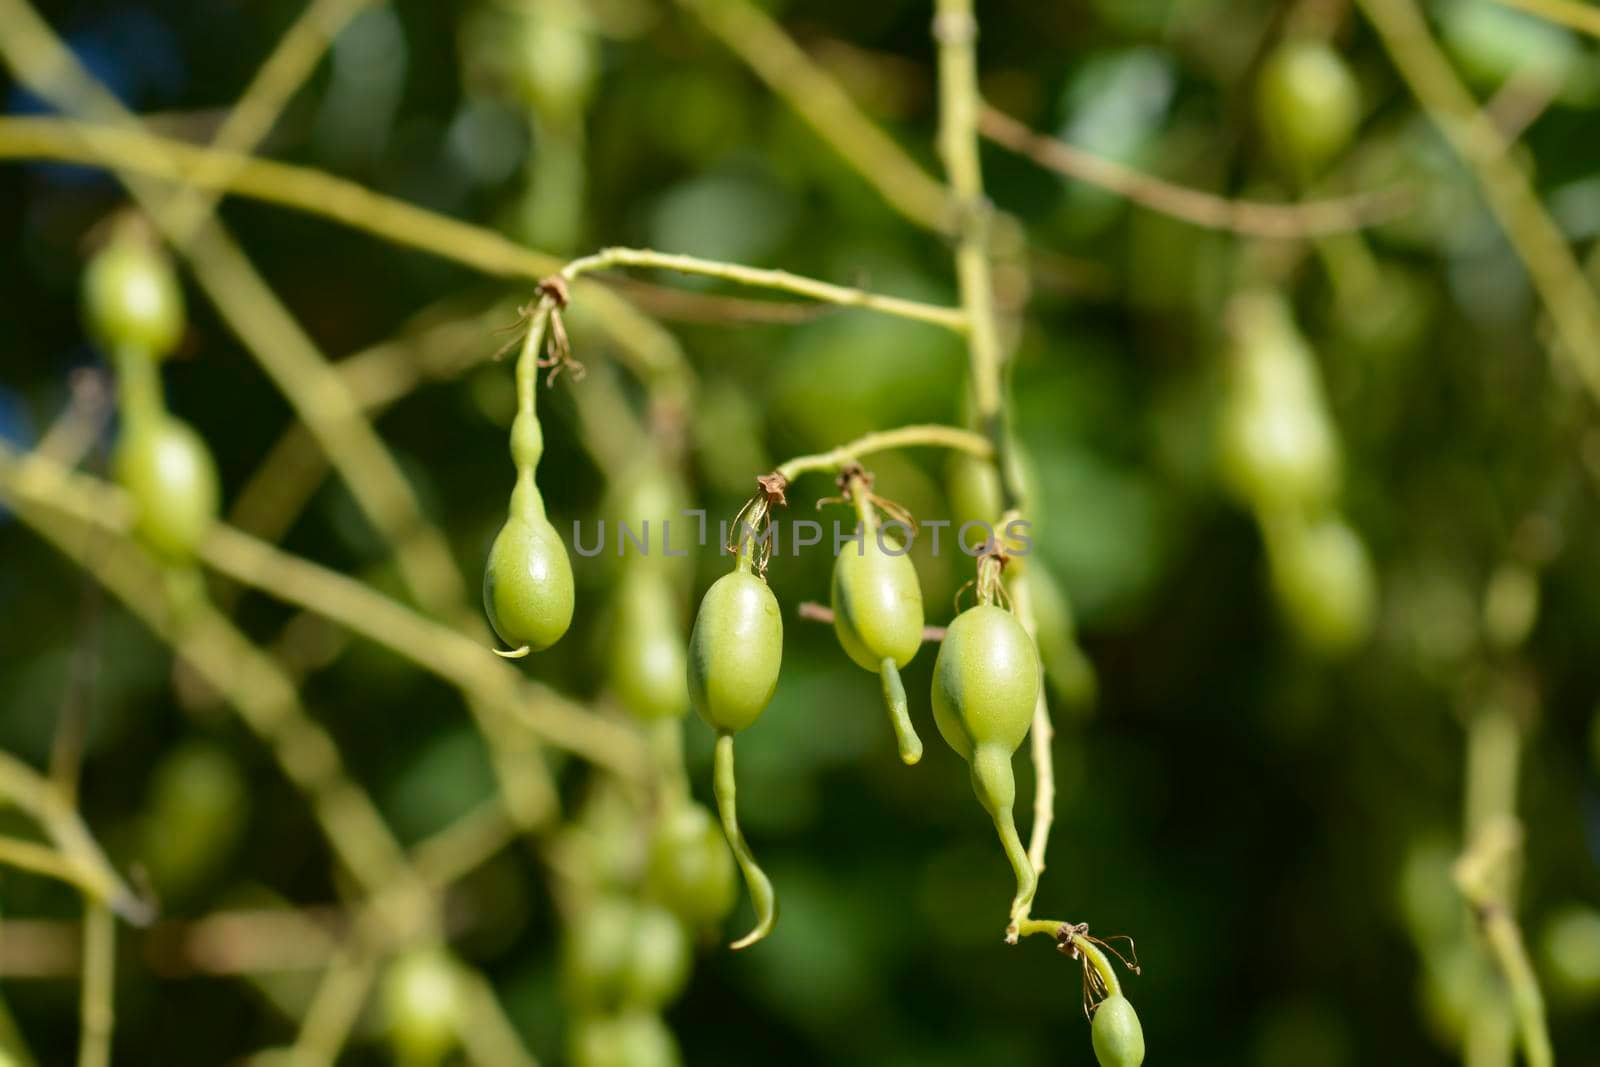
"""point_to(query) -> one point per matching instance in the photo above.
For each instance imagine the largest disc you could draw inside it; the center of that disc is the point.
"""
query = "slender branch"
(36, 795)
(42, 860)
(391, 219)
(761, 278)
(1570, 13)
(464, 845)
(257, 109)
(930, 436)
(1308, 218)
(1486, 871)
(823, 104)
(1040, 735)
(1539, 243)
(487, 1034)
(335, 1007)
(955, 29)
(96, 1010)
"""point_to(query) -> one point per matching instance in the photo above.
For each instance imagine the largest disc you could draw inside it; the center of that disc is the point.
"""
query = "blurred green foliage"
(1273, 828)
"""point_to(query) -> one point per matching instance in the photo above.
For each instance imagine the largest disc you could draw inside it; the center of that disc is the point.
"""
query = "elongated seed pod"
(985, 687)
(877, 616)
(735, 652)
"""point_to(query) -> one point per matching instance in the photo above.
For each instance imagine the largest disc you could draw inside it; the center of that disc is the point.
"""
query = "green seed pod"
(1308, 104)
(527, 585)
(660, 960)
(985, 687)
(647, 661)
(973, 486)
(1570, 953)
(1278, 448)
(691, 869)
(168, 471)
(597, 952)
(1323, 580)
(1118, 1037)
(735, 651)
(1066, 667)
(194, 815)
(632, 1039)
(422, 1004)
(132, 299)
(877, 615)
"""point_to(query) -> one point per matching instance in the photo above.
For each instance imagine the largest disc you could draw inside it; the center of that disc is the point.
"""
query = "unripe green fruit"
(877, 615)
(132, 299)
(168, 471)
(1118, 1037)
(194, 813)
(735, 651)
(527, 584)
(1278, 448)
(877, 603)
(633, 1039)
(1309, 105)
(985, 686)
(1067, 669)
(1324, 582)
(660, 960)
(1570, 953)
(596, 952)
(985, 681)
(647, 660)
(422, 1004)
(691, 869)
(618, 952)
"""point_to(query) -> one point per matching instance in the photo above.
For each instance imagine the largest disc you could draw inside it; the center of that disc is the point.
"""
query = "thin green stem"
(955, 28)
(38, 796)
(780, 280)
(45, 861)
(923, 436)
(762, 896)
(96, 1011)
(1058, 930)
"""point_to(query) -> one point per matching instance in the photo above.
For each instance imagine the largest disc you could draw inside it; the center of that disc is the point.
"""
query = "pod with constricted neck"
(877, 613)
(527, 581)
(985, 687)
(735, 651)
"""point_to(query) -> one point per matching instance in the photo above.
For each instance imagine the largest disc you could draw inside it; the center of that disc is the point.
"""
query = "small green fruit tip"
(515, 653)
(894, 698)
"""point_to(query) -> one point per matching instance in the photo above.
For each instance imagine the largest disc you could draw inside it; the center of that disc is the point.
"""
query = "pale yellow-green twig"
(926, 436)
(1307, 218)
(96, 1007)
(761, 278)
